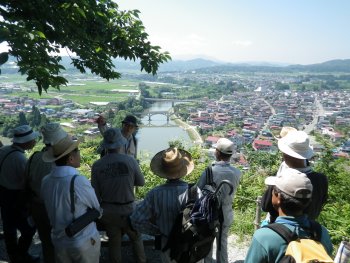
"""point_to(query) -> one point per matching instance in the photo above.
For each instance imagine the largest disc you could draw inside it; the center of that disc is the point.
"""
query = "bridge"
(152, 113)
(173, 100)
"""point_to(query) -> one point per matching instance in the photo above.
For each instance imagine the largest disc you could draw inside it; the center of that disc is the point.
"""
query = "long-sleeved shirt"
(55, 191)
(268, 246)
(224, 171)
(156, 214)
(12, 169)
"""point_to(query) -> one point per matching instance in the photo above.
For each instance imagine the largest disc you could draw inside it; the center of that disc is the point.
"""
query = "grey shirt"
(12, 168)
(224, 171)
(113, 178)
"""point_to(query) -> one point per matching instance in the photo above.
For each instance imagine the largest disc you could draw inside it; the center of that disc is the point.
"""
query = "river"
(154, 139)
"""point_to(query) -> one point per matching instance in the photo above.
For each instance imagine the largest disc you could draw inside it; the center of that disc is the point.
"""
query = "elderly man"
(296, 150)
(113, 178)
(291, 194)
(83, 247)
(35, 171)
(128, 129)
(12, 195)
(223, 170)
(156, 214)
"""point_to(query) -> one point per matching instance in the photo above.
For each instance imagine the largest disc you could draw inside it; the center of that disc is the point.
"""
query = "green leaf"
(4, 57)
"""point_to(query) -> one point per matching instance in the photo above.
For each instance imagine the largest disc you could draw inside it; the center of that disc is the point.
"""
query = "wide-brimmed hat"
(292, 182)
(285, 130)
(130, 119)
(52, 133)
(23, 134)
(224, 145)
(296, 144)
(113, 138)
(60, 149)
(172, 163)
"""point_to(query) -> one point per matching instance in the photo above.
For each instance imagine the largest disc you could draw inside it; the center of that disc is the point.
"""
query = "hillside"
(209, 67)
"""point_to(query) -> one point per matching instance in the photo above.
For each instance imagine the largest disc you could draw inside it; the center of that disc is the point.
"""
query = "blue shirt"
(156, 214)
(268, 246)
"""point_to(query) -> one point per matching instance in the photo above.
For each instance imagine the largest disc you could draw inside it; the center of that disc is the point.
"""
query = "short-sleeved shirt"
(113, 178)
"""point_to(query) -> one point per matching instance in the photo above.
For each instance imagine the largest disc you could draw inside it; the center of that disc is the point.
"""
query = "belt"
(117, 203)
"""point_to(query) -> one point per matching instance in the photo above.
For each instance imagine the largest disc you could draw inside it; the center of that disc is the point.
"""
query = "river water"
(156, 138)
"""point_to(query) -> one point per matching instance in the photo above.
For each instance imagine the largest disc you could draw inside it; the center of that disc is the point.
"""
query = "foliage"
(96, 31)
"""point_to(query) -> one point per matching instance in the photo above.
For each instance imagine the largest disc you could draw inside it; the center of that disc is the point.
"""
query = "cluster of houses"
(262, 115)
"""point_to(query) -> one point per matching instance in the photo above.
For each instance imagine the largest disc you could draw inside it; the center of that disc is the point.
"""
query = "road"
(319, 112)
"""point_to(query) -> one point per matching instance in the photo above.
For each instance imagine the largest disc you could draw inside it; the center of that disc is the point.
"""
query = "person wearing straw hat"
(35, 171)
(128, 129)
(12, 195)
(223, 170)
(296, 150)
(156, 214)
(291, 193)
(113, 178)
(83, 247)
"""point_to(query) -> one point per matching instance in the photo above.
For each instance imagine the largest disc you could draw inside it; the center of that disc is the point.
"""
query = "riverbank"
(191, 130)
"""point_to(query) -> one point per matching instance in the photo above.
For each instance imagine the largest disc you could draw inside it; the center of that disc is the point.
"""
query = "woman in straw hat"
(84, 247)
(156, 214)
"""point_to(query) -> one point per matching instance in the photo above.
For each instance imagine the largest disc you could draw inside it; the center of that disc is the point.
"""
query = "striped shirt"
(156, 214)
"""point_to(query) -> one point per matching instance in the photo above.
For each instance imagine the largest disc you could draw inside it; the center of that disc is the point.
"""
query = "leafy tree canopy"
(95, 31)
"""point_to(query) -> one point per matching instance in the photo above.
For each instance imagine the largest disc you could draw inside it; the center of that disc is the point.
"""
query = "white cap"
(292, 182)
(224, 145)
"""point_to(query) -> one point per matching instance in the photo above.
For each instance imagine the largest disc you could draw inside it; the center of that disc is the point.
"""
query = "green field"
(82, 89)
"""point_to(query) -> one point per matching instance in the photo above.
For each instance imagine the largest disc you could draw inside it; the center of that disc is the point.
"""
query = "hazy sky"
(287, 31)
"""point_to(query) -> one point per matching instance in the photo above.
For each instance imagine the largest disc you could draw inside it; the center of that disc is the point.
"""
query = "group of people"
(39, 189)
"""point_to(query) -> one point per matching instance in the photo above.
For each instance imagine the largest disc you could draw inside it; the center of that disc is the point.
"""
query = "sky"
(278, 31)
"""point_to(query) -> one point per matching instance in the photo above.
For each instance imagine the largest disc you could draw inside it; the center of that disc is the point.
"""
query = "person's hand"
(101, 121)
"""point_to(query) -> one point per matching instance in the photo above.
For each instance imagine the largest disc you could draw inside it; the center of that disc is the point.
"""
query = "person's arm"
(94, 182)
(139, 177)
(143, 218)
(86, 193)
(101, 124)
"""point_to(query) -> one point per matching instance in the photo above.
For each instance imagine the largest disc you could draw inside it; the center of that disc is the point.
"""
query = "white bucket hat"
(224, 145)
(296, 144)
(292, 182)
(52, 133)
(23, 134)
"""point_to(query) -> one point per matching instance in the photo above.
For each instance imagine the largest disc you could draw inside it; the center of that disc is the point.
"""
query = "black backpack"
(195, 228)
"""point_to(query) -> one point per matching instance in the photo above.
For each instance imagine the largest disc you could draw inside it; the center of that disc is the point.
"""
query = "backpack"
(302, 250)
(195, 228)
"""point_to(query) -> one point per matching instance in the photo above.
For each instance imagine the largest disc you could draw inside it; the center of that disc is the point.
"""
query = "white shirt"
(56, 195)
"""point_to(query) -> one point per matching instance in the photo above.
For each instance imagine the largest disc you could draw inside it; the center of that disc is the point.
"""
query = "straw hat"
(296, 144)
(23, 134)
(60, 149)
(52, 133)
(172, 163)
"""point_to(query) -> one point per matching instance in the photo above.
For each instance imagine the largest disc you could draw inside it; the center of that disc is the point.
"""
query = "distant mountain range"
(209, 66)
